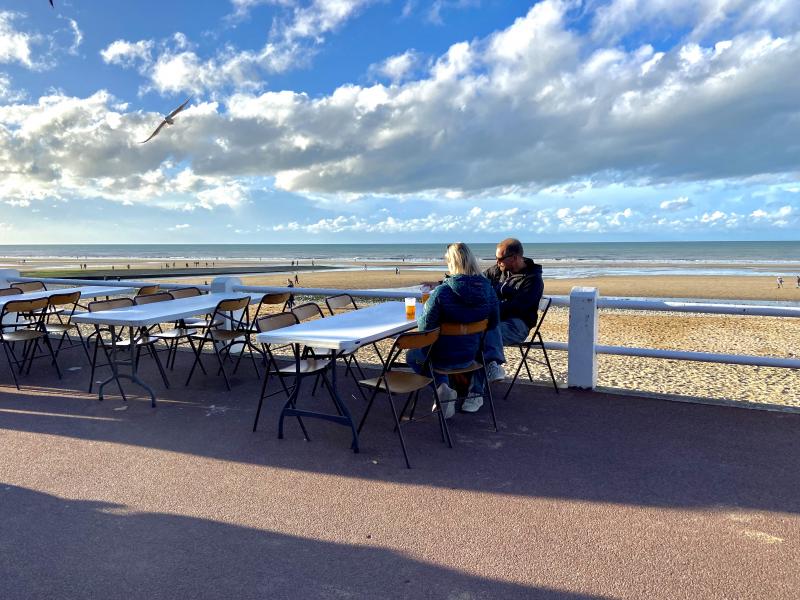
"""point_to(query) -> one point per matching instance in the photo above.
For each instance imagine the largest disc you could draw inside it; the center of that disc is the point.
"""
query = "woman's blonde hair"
(461, 260)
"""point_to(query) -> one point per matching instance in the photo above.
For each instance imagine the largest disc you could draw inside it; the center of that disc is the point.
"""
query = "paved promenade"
(580, 495)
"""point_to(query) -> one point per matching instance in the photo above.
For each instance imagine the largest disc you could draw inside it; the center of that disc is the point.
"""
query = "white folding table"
(87, 291)
(143, 316)
(342, 333)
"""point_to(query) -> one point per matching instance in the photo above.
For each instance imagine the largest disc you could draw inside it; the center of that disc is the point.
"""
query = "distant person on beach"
(780, 282)
(798, 281)
(296, 278)
(290, 301)
(518, 283)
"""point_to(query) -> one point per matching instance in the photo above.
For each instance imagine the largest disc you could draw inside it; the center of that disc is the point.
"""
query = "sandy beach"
(736, 335)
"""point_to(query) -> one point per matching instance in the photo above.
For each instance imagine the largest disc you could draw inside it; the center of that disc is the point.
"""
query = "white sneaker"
(447, 399)
(495, 372)
(472, 404)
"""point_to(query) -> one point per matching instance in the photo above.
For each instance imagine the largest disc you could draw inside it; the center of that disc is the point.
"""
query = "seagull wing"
(155, 133)
(179, 109)
(51, 3)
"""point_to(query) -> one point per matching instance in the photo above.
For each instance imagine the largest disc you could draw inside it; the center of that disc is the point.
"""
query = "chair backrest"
(233, 305)
(12, 291)
(340, 301)
(186, 292)
(99, 305)
(28, 307)
(64, 299)
(30, 286)
(271, 300)
(24, 306)
(417, 339)
(453, 329)
(226, 312)
(276, 321)
(146, 290)
(544, 306)
(307, 311)
(151, 298)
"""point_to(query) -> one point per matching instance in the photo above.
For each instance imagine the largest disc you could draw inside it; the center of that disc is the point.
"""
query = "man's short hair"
(513, 246)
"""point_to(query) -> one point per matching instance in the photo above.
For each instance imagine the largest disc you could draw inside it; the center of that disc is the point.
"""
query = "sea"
(561, 260)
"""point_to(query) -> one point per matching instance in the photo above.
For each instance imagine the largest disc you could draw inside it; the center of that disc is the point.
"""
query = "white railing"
(584, 305)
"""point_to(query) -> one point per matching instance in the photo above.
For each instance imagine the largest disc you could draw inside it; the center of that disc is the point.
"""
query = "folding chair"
(310, 310)
(478, 363)
(146, 290)
(193, 322)
(58, 321)
(271, 300)
(302, 365)
(28, 333)
(116, 343)
(393, 382)
(30, 286)
(534, 341)
(171, 337)
(223, 340)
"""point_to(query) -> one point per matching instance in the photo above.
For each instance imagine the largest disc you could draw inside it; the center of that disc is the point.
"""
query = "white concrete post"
(6, 275)
(582, 358)
(224, 285)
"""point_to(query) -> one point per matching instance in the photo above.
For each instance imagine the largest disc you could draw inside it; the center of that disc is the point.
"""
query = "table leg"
(134, 375)
(344, 418)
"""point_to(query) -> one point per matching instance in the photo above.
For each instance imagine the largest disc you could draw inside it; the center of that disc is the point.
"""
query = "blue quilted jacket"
(459, 299)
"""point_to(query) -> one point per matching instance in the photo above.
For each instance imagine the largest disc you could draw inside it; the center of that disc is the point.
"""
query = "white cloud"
(179, 227)
(125, 53)
(397, 68)
(532, 107)
(77, 37)
(676, 204)
(15, 46)
(619, 18)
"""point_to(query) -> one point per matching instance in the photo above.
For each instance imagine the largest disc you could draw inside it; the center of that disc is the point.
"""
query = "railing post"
(224, 285)
(582, 359)
(6, 275)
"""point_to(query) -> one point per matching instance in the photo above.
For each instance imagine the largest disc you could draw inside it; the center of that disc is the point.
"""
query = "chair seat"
(397, 382)
(23, 335)
(475, 366)
(173, 334)
(140, 341)
(60, 327)
(202, 323)
(309, 365)
(225, 335)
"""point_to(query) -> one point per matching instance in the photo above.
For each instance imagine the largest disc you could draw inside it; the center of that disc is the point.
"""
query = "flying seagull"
(168, 120)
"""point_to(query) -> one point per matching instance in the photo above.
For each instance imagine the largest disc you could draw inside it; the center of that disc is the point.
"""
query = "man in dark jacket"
(519, 286)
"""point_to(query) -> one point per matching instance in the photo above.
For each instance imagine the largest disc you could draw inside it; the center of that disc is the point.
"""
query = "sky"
(325, 121)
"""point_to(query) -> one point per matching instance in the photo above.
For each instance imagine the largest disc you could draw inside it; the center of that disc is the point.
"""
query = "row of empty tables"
(341, 334)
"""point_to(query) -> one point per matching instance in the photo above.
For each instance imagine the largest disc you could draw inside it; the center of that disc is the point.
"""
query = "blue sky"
(409, 120)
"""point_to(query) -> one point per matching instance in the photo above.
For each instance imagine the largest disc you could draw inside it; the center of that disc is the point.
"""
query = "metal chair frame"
(303, 365)
(223, 340)
(478, 363)
(29, 335)
(534, 341)
(393, 382)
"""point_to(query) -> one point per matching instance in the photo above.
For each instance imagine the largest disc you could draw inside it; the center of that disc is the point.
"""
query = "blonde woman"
(464, 296)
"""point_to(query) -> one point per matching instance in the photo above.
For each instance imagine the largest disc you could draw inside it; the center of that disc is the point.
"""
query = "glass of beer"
(411, 308)
(426, 293)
